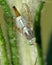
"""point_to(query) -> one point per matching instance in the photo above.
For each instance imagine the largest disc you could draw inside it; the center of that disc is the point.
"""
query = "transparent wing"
(27, 13)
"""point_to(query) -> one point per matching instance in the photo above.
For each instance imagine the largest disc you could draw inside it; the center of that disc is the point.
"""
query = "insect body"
(22, 25)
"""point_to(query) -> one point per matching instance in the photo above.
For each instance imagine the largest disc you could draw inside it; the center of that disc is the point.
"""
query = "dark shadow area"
(49, 54)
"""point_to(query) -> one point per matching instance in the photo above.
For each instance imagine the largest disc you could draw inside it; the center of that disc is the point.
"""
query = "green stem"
(11, 33)
(37, 29)
(3, 53)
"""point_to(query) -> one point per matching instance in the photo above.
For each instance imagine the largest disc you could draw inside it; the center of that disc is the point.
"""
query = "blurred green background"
(46, 24)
